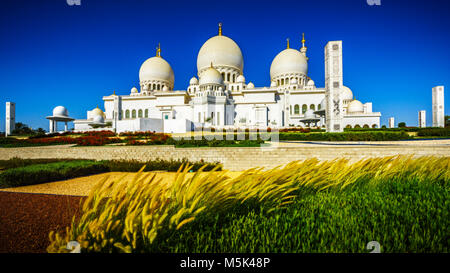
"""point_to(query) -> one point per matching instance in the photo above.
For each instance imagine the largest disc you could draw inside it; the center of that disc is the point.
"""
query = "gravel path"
(27, 219)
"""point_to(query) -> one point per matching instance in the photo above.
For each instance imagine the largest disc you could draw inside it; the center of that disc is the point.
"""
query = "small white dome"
(134, 90)
(289, 61)
(193, 81)
(310, 114)
(165, 88)
(250, 85)
(355, 107)
(310, 83)
(240, 79)
(98, 119)
(60, 111)
(98, 112)
(211, 76)
(156, 68)
(346, 93)
(273, 84)
(294, 81)
(221, 51)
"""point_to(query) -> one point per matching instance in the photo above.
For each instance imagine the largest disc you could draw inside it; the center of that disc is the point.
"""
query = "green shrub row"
(41, 173)
(214, 143)
(440, 132)
(346, 136)
(24, 172)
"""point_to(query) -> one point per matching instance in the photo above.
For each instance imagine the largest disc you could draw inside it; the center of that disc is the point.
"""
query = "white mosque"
(222, 98)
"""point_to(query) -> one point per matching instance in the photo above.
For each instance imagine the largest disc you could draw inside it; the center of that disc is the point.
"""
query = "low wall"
(235, 159)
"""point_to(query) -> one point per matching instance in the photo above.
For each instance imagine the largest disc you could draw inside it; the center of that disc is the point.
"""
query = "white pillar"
(10, 118)
(50, 126)
(438, 106)
(333, 83)
(65, 127)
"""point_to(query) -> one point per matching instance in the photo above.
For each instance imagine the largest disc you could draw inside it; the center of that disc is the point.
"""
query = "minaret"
(333, 84)
(303, 48)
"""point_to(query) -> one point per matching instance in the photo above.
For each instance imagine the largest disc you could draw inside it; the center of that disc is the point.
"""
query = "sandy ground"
(81, 186)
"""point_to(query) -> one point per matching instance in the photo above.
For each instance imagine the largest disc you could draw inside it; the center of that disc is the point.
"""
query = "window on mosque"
(304, 108)
(127, 114)
(296, 109)
(133, 114)
(140, 113)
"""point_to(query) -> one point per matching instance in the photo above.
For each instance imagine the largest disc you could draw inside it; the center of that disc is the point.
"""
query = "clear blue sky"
(55, 54)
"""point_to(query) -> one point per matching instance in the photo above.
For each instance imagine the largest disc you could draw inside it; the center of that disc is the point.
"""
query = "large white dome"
(221, 51)
(60, 111)
(156, 68)
(288, 61)
(211, 76)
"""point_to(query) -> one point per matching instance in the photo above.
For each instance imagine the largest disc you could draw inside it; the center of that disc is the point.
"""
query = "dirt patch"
(26, 219)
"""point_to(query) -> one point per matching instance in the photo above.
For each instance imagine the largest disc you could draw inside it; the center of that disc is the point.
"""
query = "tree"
(384, 126)
(22, 129)
(447, 121)
(402, 124)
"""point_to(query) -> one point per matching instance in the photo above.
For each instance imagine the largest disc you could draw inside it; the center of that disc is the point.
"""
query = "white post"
(333, 84)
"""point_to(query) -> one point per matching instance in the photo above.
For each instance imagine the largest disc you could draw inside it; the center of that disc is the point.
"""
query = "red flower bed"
(54, 140)
(103, 133)
(138, 134)
(301, 130)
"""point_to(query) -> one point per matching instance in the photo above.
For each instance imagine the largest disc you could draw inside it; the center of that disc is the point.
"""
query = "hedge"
(23, 172)
(346, 136)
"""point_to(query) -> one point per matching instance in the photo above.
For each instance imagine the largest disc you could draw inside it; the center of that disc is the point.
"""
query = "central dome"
(221, 51)
(288, 61)
(156, 68)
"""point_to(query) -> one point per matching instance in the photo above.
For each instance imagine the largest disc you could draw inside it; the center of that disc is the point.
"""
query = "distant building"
(438, 106)
(10, 118)
(422, 119)
(391, 122)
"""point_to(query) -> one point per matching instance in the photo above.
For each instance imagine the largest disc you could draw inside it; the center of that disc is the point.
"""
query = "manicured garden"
(308, 206)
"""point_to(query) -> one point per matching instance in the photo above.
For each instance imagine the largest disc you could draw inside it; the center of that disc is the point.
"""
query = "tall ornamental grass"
(305, 206)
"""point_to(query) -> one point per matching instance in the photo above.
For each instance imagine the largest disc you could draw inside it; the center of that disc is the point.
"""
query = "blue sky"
(55, 54)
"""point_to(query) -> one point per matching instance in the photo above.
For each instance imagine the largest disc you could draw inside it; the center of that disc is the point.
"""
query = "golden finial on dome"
(211, 65)
(220, 29)
(303, 39)
(114, 92)
(287, 46)
(158, 50)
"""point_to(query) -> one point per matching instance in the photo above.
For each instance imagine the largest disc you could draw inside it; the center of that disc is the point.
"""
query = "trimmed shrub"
(40, 173)
(346, 136)
(439, 132)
